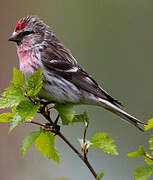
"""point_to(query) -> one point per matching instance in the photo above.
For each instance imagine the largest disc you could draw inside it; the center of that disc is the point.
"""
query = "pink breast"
(24, 55)
(26, 61)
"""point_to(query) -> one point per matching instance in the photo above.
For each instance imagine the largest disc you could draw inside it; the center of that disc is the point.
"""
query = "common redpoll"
(64, 81)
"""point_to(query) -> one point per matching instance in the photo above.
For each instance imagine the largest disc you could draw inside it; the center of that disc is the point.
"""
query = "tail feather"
(122, 114)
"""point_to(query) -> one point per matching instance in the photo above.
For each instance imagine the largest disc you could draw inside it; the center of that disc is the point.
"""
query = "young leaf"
(102, 141)
(34, 83)
(14, 121)
(5, 117)
(45, 143)
(151, 143)
(66, 112)
(18, 78)
(100, 176)
(81, 118)
(27, 109)
(142, 173)
(28, 141)
(139, 153)
(87, 143)
(149, 125)
(11, 97)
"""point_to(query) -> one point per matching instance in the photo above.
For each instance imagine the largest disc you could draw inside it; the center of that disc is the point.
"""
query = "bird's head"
(32, 30)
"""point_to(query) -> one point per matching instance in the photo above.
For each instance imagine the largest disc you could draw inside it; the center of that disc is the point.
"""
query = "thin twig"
(82, 157)
(39, 124)
(85, 132)
(85, 160)
(149, 156)
(84, 148)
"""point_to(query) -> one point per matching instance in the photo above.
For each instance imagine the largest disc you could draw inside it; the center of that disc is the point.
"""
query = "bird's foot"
(43, 106)
(54, 128)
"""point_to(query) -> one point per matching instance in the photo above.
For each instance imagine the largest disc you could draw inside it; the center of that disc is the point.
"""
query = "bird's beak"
(14, 37)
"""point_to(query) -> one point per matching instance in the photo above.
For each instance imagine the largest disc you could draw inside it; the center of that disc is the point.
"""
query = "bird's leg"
(56, 126)
(56, 120)
(45, 103)
(43, 106)
(46, 112)
(51, 124)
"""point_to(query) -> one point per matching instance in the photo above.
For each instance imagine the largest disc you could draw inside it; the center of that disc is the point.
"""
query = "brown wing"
(79, 77)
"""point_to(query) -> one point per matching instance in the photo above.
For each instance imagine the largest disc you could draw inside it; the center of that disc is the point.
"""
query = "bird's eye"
(25, 33)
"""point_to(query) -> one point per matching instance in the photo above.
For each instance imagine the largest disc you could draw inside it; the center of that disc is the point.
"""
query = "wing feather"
(76, 75)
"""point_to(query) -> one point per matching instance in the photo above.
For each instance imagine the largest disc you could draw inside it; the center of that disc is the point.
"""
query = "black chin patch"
(18, 43)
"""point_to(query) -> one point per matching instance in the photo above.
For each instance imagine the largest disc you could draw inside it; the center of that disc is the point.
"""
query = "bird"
(64, 80)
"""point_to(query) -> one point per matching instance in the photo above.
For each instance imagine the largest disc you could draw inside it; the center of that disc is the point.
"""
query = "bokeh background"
(113, 40)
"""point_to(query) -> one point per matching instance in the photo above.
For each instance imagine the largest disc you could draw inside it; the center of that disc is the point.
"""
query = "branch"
(55, 130)
(39, 124)
(84, 159)
(53, 127)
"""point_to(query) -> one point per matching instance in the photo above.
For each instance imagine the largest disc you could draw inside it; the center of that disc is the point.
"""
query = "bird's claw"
(55, 128)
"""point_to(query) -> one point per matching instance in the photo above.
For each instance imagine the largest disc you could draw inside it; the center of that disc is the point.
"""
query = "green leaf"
(5, 117)
(142, 173)
(139, 153)
(34, 84)
(151, 143)
(28, 141)
(45, 143)
(11, 97)
(81, 118)
(102, 141)
(149, 125)
(100, 176)
(66, 112)
(27, 109)
(18, 78)
(14, 121)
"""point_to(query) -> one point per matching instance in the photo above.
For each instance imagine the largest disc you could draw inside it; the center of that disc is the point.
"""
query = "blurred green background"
(111, 39)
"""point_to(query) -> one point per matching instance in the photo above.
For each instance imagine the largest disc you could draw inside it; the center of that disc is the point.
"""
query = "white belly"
(60, 90)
